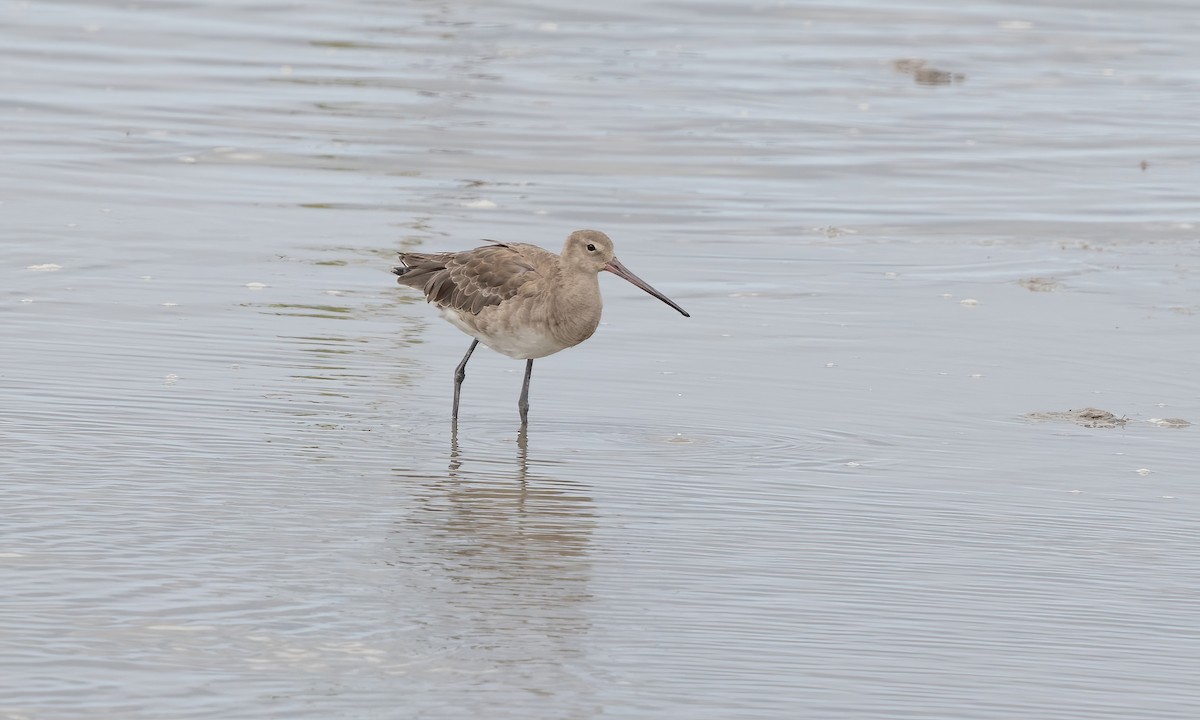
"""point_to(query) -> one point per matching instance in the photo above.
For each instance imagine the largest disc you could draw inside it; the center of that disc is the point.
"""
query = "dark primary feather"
(466, 281)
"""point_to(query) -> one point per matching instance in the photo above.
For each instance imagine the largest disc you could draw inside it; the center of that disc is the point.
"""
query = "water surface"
(231, 486)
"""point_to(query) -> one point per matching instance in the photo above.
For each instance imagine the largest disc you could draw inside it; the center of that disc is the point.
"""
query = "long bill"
(615, 267)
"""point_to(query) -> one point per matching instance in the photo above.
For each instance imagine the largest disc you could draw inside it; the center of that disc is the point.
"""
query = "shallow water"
(230, 481)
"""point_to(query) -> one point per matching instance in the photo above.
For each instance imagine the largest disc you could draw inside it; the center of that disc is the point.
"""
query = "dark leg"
(460, 374)
(523, 403)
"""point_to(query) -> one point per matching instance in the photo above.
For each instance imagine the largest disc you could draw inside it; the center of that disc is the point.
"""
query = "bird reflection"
(522, 464)
(528, 517)
(501, 550)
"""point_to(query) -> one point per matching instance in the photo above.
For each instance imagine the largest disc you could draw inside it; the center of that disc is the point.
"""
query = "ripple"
(650, 449)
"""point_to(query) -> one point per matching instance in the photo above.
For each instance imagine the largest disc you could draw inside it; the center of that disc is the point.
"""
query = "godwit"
(518, 299)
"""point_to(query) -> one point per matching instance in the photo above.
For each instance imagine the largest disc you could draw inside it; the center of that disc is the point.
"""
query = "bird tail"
(415, 268)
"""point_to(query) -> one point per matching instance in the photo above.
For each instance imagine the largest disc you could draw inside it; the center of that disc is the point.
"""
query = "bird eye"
(591, 247)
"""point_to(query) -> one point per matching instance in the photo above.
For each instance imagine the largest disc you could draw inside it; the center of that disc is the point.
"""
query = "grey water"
(229, 482)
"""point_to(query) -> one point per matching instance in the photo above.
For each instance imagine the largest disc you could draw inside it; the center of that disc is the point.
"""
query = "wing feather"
(467, 281)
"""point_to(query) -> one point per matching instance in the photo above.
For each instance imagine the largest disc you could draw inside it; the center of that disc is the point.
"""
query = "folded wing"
(466, 281)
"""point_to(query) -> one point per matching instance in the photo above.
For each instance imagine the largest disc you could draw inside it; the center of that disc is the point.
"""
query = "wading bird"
(518, 299)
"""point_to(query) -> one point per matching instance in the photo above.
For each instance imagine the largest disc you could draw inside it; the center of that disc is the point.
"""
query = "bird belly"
(516, 340)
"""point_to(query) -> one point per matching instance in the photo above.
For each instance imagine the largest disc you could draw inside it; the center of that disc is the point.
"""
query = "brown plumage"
(467, 281)
(519, 299)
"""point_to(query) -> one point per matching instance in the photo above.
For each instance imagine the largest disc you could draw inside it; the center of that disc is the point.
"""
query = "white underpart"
(521, 342)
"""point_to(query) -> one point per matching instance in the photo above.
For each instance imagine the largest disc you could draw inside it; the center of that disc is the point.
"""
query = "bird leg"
(460, 374)
(523, 403)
